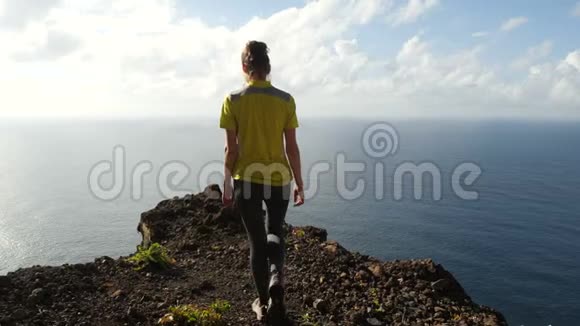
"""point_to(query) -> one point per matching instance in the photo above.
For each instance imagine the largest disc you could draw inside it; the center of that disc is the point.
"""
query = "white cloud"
(573, 59)
(367, 10)
(16, 14)
(533, 55)
(411, 11)
(53, 46)
(137, 57)
(513, 23)
(576, 10)
(480, 34)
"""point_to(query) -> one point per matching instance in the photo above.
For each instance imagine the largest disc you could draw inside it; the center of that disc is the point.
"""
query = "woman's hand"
(293, 154)
(228, 194)
(298, 195)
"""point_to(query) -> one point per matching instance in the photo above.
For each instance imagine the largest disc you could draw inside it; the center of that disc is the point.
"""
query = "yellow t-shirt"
(260, 113)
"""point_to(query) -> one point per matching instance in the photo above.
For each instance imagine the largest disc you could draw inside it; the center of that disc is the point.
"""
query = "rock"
(117, 294)
(213, 192)
(441, 285)
(38, 295)
(321, 305)
(361, 275)
(104, 260)
(315, 233)
(374, 322)
(376, 269)
(333, 248)
(431, 267)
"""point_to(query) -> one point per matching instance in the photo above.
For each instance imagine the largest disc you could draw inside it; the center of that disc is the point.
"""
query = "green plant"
(194, 315)
(308, 320)
(299, 233)
(221, 306)
(378, 307)
(155, 254)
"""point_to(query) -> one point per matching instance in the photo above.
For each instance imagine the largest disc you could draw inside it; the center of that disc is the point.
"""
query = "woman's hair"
(255, 58)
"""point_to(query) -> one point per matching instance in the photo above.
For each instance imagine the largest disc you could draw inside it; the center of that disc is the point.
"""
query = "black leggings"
(264, 247)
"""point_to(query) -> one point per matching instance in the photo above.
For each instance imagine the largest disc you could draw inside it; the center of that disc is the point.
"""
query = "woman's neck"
(257, 79)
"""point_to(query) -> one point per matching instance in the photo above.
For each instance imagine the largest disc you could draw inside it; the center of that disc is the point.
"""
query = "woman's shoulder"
(237, 94)
(275, 91)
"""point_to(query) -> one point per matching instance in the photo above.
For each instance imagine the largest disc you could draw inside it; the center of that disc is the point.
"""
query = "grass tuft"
(194, 315)
(154, 255)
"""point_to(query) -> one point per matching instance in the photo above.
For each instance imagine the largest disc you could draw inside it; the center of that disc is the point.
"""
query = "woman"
(259, 120)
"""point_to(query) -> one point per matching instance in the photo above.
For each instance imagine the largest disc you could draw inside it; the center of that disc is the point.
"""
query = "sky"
(382, 59)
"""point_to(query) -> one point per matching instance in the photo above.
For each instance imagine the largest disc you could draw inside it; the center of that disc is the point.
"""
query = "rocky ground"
(326, 284)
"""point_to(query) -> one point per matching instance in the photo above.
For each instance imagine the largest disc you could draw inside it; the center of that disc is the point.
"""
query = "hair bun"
(255, 57)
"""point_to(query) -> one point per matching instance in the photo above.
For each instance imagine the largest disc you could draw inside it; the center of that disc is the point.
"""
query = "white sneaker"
(259, 309)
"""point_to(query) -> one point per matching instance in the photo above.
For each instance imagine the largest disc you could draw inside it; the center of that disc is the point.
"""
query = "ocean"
(513, 243)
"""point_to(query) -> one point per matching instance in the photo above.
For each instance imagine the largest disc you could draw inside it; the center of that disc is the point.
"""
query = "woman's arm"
(231, 156)
(293, 153)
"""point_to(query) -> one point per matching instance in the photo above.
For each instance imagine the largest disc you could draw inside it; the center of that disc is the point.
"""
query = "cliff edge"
(206, 243)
